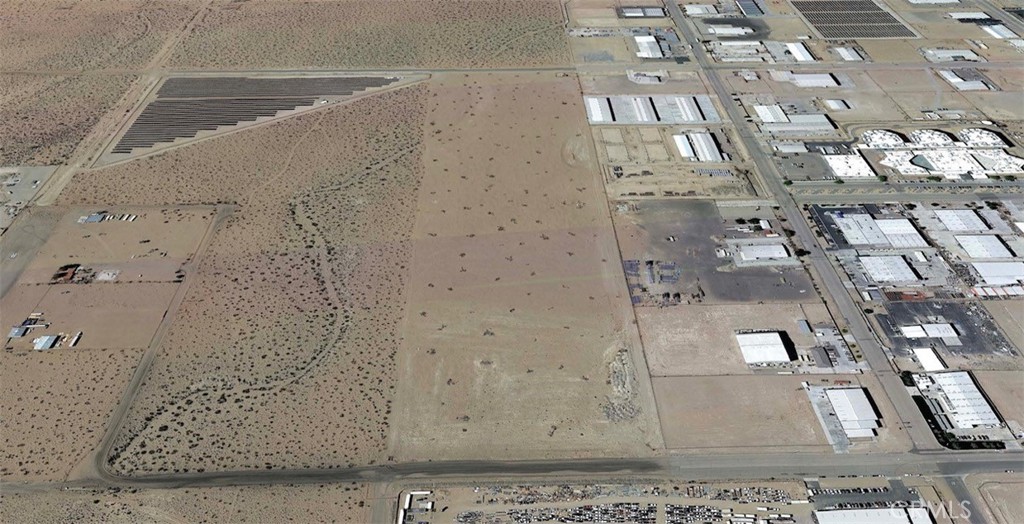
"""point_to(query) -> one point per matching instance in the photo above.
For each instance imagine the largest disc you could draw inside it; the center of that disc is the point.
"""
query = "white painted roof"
(901, 233)
(860, 230)
(863, 516)
(983, 246)
(762, 347)
(964, 402)
(939, 330)
(961, 220)
(1000, 273)
(770, 114)
(763, 251)
(888, 268)
(849, 166)
(852, 405)
(928, 359)
(800, 52)
(913, 332)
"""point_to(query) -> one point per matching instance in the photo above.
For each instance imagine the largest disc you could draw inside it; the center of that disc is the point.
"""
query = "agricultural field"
(45, 117)
(518, 337)
(281, 354)
(367, 33)
(344, 502)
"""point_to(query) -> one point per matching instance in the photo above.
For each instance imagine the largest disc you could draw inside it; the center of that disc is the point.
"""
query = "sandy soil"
(1006, 391)
(700, 340)
(281, 355)
(55, 407)
(372, 33)
(93, 34)
(998, 494)
(322, 503)
(517, 307)
(45, 117)
(737, 414)
(1009, 316)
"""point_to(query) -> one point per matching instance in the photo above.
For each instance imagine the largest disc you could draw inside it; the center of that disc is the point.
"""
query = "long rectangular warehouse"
(651, 109)
(957, 399)
(888, 269)
(961, 220)
(983, 246)
(854, 411)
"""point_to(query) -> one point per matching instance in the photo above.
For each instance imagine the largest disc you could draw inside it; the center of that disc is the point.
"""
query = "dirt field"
(366, 33)
(1009, 316)
(700, 340)
(323, 503)
(45, 117)
(281, 354)
(55, 407)
(999, 496)
(737, 414)
(1006, 391)
(517, 309)
(93, 35)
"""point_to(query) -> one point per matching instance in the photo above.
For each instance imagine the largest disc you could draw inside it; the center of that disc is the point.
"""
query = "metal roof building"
(874, 516)
(900, 233)
(961, 220)
(854, 411)
(955, 398)
(763, 252)
(888, 268)
(929, 331)
(1000, 273)
(860, 229)
(705, 146)
(929, 360)
(983, 246)
(849, 166)
(647, 47)
(762, 348)
(800, 52)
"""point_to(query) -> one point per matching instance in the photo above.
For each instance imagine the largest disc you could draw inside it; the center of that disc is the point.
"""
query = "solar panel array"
(186, 106)
(841, 19)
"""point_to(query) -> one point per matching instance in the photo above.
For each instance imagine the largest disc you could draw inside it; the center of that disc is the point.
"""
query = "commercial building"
(887, 269)
(848, 54)
(901, 233)
(929, 360)
(849, 166)
(983, 246)
(956, 401)
(874, 516)
(800, 52)
(855, 411)
(961, 220)
(859, 229)
(650, 109)
(951, 55)
(763, 252)
(763, 348)
(944, 330)
(1000, 273)
(648, 47)
(962, 84)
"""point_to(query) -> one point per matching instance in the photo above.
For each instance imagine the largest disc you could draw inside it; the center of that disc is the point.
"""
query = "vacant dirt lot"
(45, 117)
(701, 340)
(1006, 390)
(737, 414)
(517, 309)
(375, 33)
(323, 503)
(1009, 316)
(282, 352)
(55, 405)
(93, 34)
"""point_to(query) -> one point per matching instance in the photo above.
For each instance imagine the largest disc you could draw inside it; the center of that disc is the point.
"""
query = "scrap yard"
(512, 261)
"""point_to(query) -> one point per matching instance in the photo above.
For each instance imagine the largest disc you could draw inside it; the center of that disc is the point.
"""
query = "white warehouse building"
(855, 411)
(763, 348)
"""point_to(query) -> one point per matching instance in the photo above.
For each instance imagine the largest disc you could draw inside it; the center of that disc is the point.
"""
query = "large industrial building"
(754, 252)
(955, 400)
(864, 230)
(959, 220)
(886, 269)
(1000, 273)
(855, 411)
(700, 146)
(653, 109)
(983, 246)
(874, 516)
(929, 360)
(763, 348)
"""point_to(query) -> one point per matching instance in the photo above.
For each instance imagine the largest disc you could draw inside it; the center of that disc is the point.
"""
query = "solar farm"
(842, 19)
(184, 107)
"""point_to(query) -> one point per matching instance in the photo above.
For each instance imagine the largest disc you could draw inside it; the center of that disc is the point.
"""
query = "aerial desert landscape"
(487, 261)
